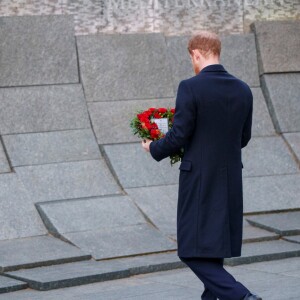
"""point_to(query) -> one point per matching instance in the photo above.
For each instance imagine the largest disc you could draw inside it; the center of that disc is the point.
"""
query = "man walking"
(212, 122)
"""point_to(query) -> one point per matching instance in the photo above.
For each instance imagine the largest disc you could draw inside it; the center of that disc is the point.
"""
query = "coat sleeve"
(183, 125)
(246, 135)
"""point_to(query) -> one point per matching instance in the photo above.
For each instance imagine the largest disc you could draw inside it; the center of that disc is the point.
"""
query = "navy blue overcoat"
(212, 122)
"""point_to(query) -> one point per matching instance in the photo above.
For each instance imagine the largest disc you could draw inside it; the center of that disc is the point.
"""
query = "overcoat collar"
(213, 68)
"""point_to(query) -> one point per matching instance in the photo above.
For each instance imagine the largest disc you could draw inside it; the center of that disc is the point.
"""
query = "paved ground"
(276, 280)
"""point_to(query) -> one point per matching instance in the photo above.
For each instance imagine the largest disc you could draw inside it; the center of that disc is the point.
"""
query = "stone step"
(83, 272)
(37, 251)
(287, 223)
(10, 285)
(264, 251)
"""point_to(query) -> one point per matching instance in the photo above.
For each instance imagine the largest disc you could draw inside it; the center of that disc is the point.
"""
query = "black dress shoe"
(251, 297)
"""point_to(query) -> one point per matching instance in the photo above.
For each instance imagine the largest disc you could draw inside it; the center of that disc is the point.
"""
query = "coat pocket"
(185, 165)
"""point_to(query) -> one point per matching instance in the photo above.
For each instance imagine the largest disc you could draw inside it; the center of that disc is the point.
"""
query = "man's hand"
(146, 144)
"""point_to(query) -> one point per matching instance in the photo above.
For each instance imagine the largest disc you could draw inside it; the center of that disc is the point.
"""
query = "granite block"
(294, 141)
(271, 193)
(261, 123)
(119, 67)
(51, 147)
(68, 180)
(37, 251)
(287, 223)
(42, 108)
(254, 234)
(18, 216)
(268, 156)
(10, 285)
(238, 55)
(278, 44)
(292, 238)
(282, 95)
(4, 165)
(90, 214)
(37, 50)
(111, 119)
(264, 251)
(83, 272)
(159, 204)
(136, 168)
(127, 241)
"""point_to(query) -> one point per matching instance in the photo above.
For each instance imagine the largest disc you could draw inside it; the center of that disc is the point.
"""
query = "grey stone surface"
(278, 45)
(293, 238)
(37, 50)
(18, 216)
(159, 203)
(253, 234)
(238, 55)
(118, 67)
(271, 193)
(42, 108)
(68, 180)
(83, 272)
(91, 214)
(282, 96)
(111, 119)
(294, 141)
(4, 165)
(9, 285)
(51, 147)
(268, 156)
(261, 122)
(136, 168)
(127, 240)
(37, 251)
(264, 251)
(281, 223)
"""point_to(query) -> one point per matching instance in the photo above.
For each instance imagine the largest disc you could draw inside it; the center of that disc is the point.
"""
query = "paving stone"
(18, 216)
(42, 108)
(4, 165)
(37, 251)
(267, 156)
(68, 180)
(287, 223)
(144, 60)
(90, 214)
(293, 238)
(294, 141)
(41, 147)
(253, 234)
(9, 285)
(37, 50)
(238, 55)
(262, 122)
(129, 161)
(264, 251)
(271, 193)
(270, 37)
(83, 272)
(111, 119)
(128, 240)
(159, 203)
(282, 96)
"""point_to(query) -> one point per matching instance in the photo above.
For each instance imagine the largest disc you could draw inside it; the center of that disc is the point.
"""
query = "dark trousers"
(218, 283)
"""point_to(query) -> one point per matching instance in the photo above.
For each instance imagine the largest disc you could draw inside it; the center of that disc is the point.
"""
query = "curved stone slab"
(120, 67)
(37, 50)
(136, 168)
(278, 44)
(42, 147)
(42, 108)
(294, 141)
(9, 285)
(282, 95)
(68, 180)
